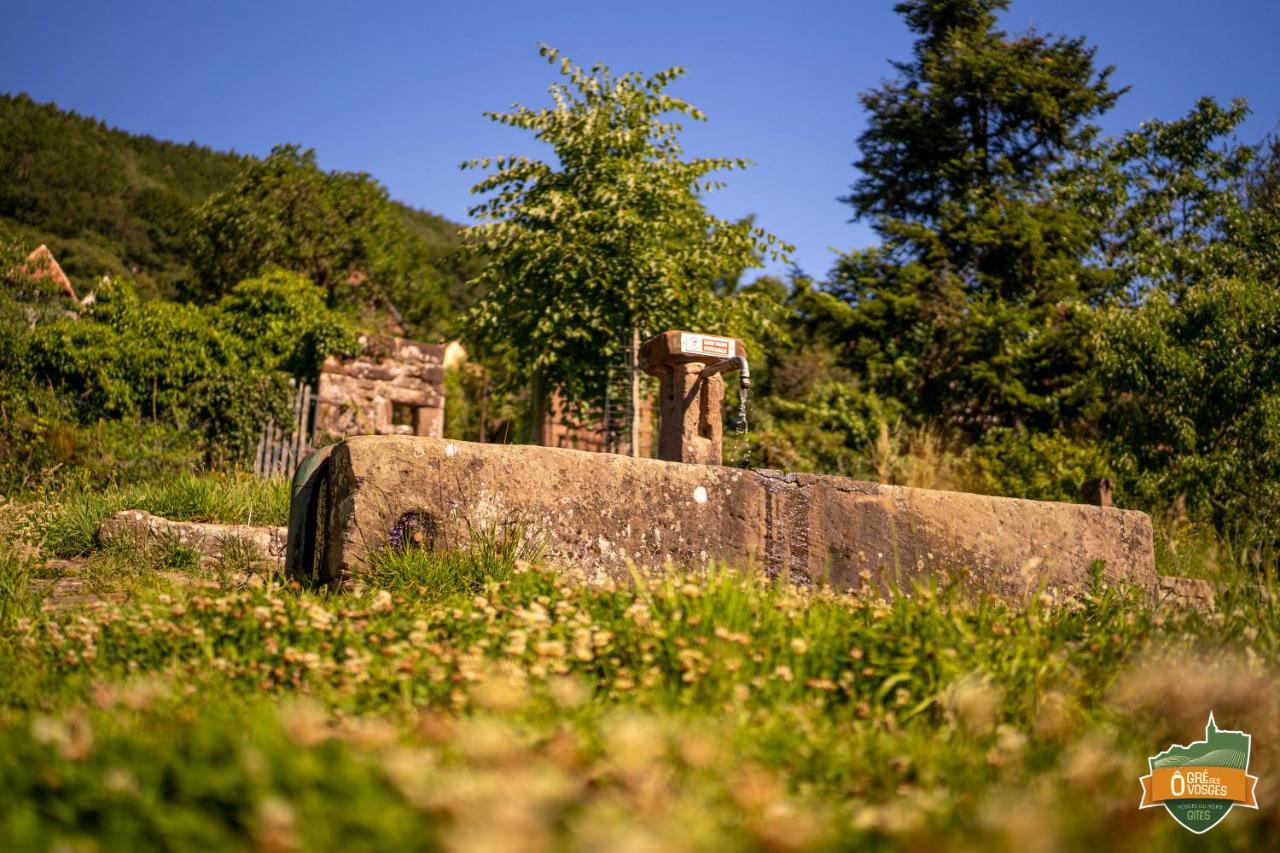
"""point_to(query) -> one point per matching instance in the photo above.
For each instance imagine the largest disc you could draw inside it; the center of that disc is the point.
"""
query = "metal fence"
(604, 424)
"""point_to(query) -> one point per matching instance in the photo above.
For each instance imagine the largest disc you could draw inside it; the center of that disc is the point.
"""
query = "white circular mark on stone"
(450, 450)
(700, 495)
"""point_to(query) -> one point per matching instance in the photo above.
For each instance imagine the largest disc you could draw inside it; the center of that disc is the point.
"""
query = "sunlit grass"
(484, 699)
(67, 523)
(491, 555)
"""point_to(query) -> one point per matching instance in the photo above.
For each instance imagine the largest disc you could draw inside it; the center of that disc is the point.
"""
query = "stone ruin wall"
(394, 387)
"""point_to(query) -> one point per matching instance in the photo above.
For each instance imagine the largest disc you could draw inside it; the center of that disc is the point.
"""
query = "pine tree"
(975, 308)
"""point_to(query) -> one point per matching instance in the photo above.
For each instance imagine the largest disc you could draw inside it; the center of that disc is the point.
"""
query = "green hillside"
(107, 201)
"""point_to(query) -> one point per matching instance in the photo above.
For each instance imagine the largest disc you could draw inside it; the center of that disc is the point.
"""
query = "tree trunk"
(484, 405)
(635, 391)
(537, 409)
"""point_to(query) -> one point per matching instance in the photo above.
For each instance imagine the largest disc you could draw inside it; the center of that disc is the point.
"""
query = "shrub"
(1034, 465)
(219, 371)
(1196, 380)
(284, 323)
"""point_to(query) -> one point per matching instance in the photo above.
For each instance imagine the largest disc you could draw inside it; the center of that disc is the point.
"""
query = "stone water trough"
(604, 514)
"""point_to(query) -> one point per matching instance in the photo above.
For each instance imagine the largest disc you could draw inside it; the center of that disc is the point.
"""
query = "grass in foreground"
(706, 711)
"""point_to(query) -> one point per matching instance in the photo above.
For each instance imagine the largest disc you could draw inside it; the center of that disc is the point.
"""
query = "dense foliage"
(106, 201)
(1196, 411)
(338, 229)
(217, 372)
(975, 306)
(115, 203)
(1045, 306)
(139, 382)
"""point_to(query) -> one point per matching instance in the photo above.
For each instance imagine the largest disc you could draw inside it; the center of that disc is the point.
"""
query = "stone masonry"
(603, 513)
(394, 387)
(210, 540)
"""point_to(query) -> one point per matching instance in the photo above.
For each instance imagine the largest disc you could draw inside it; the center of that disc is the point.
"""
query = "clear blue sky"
(397, 88)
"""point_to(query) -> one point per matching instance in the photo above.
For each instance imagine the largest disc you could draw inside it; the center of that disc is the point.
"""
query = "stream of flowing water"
(740, 428)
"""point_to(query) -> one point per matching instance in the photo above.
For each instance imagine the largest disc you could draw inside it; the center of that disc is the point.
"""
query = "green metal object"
(304, 498)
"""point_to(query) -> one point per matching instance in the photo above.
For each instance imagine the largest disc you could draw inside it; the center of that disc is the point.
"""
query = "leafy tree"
(1196, 411)
(1192, 227)
(976, 307)
(1261, 192)
(809, 412)
(339, 229)
(283, 322)
(1175, 205)
(610, 240)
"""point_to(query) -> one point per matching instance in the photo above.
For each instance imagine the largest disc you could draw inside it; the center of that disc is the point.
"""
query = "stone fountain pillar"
(691, 427)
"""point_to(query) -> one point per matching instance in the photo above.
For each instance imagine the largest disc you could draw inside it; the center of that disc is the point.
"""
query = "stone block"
(669, 349)
(1188, 593)
(602, 513)
(368, 370)
(209, 539)
(428, 421)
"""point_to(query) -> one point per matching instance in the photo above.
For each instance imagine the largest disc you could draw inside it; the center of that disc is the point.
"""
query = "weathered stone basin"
(602, 513)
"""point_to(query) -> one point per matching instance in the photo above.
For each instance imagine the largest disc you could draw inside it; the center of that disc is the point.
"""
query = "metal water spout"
(738, 362)
(691, 428)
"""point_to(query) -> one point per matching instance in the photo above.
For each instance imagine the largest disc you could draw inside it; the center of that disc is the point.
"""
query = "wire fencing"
(605, 423)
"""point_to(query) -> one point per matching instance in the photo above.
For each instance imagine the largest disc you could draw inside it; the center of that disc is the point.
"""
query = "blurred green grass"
(487, 701)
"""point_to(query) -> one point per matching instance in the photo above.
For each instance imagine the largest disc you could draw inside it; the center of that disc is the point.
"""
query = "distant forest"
(116, 203)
